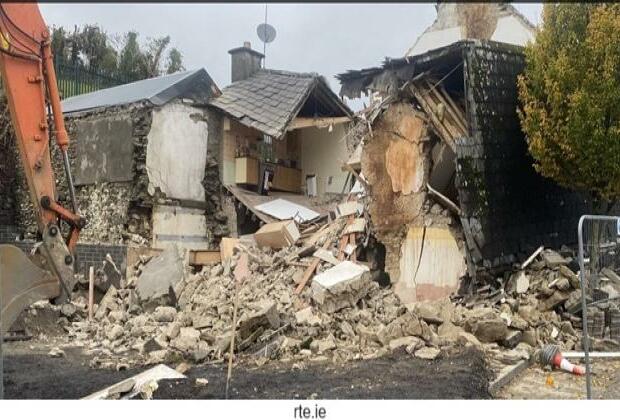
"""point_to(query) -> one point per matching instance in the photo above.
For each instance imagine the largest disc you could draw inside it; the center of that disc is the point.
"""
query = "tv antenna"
(267, 34)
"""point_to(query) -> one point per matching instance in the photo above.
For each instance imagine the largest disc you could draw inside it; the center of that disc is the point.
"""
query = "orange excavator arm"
(29, 82)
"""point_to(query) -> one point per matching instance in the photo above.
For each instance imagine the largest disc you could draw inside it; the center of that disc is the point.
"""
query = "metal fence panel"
(76, 79)
(599, 262)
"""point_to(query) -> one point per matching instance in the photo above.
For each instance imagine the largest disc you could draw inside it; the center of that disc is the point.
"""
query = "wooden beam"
(204, 257)
(314, 263)
(301, 122)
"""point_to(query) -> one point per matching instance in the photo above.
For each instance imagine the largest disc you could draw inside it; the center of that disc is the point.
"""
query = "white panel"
(511, 31)
(177, 152)
(283, 210)
(184, 226)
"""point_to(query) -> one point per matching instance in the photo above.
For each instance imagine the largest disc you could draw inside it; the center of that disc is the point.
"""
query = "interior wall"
(322, 154)
(177, 152)
(234, 133)
(242, 141)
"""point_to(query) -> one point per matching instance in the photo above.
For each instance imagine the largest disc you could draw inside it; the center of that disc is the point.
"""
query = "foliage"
(90, 46)
(174, 62)
(570, 98)
(132, 62)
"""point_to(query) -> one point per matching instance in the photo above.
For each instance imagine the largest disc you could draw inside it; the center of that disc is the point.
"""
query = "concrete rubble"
(341, 313)
(314, 289)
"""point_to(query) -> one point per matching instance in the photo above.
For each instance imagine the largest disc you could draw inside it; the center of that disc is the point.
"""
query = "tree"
(60, 44)
(570, 99)
(122, 56)
(132, 62)
(94, 44)
(175, 61)
(153, 55)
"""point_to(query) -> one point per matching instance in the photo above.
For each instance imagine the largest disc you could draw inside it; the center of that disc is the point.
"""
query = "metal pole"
(91, 292)
(584, 317)
(67, 165)
(265, 42)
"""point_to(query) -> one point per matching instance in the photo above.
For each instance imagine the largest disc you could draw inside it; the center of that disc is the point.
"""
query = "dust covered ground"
(30, 373)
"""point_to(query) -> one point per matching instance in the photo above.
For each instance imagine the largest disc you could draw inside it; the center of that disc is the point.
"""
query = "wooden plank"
(353, 242)
(250, 206)
(204, 257)
(449, 107)
(428, 108)
(227, 246)
(301, 122)
(455, 107)
(341, 246)
(310, 270)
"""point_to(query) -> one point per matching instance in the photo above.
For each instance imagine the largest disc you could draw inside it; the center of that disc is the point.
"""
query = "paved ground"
(31, 374)
(534, 383)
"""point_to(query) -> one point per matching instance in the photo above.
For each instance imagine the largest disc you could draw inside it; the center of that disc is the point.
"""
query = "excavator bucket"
(21, 284)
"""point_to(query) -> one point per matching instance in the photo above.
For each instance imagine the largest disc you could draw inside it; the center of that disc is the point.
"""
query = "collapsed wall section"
(508, 207)
(424, 256)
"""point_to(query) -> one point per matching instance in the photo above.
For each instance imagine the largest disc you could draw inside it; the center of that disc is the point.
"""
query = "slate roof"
(194, 84)
(270, 99)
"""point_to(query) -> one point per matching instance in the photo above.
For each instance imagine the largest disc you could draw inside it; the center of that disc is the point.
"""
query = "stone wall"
(218, 224)
(7, 165)
(117, 212)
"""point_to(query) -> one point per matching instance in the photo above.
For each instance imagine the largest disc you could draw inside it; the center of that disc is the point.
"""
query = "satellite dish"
(266, 32)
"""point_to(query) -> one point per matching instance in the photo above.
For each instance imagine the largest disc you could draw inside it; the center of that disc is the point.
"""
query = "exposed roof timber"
(270, 99)
(301, 122)
(354, 82)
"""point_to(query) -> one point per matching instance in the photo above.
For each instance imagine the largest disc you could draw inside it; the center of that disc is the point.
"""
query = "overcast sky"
(324, 38)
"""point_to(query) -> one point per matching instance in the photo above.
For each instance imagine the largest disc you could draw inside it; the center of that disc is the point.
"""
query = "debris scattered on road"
(144, 383)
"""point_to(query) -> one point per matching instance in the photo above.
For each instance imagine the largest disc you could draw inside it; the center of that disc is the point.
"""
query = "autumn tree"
(570, 99)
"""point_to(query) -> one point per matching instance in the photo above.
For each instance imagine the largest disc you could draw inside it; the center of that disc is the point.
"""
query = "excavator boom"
(29, 82)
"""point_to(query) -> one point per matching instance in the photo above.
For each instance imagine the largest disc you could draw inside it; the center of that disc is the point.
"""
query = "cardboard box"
(277, 235)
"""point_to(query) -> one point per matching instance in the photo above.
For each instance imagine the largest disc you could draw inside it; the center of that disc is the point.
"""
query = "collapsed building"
(445, 128)
(281, 131)
(174, 160)
(138, 156)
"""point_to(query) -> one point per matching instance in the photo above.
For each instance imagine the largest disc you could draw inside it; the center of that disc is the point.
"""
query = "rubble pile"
(166, 314)
(540, 303)
(303, 293)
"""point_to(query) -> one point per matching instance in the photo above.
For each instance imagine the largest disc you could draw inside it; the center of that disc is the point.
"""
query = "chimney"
(244, 62)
